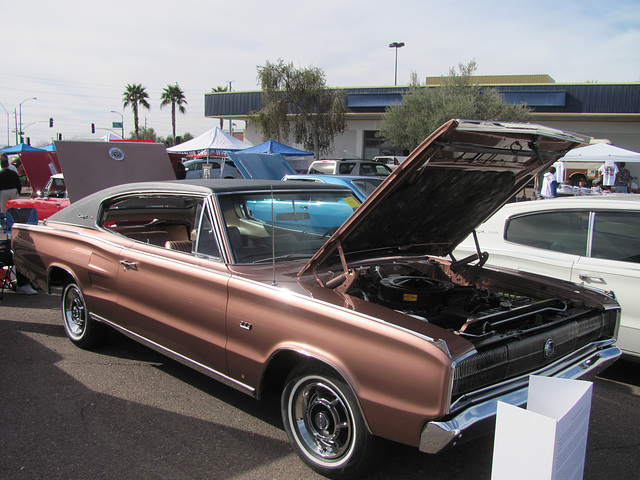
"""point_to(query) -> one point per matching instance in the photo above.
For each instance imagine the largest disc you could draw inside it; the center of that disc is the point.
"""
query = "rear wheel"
(324, 424)
(80, 328)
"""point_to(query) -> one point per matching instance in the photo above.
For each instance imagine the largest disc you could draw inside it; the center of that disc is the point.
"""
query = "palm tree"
(135, 95)
(173, 95)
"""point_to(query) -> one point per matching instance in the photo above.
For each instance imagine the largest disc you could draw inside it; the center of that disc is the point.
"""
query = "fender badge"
(116, 153)
(548, 349)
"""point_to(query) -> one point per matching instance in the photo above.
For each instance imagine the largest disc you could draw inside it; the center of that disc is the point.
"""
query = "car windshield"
(55, 188)
(286, 224)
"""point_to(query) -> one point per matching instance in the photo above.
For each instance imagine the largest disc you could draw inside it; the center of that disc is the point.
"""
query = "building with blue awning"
(605, 111)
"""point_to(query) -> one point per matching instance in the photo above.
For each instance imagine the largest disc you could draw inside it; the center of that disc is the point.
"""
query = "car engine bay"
(485, 316)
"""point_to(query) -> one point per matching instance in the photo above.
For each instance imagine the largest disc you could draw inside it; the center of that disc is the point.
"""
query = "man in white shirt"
(608, 172)
(549, 184)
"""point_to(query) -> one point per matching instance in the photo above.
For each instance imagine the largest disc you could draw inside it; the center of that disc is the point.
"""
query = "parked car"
(48, 201)
(264, 166)
(364, 330)
(391, 160)
(361, 186)
(593, 240)
(348, 167)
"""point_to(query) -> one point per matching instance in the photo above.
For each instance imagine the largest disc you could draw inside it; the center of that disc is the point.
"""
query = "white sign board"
(548, 440)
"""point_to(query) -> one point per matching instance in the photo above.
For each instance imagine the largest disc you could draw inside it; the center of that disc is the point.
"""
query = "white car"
(349, 167)
(593, 240)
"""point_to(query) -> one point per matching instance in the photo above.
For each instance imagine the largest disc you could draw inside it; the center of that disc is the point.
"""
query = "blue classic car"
(313, 215)
(361, 186)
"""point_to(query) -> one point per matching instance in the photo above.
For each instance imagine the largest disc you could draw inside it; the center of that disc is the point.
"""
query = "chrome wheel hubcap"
(322, 420)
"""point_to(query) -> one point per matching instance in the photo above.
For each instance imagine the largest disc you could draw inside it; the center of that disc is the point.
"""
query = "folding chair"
(19, 215)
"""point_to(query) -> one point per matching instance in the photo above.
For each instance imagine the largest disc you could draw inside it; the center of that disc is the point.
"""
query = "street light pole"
(21, 132)
(121, 122)
(396, 45)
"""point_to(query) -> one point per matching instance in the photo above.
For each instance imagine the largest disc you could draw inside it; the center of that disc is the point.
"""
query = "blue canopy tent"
(21, 147)
(271, 146)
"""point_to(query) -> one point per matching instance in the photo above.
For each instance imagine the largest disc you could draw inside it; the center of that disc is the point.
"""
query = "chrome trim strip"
(477, 417)
(591, 232)
(179, 357)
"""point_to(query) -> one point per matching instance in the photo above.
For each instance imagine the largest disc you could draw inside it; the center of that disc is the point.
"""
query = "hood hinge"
(342, 282)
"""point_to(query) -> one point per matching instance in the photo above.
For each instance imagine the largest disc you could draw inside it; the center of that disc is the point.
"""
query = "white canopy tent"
(213, 142)
(600, 152)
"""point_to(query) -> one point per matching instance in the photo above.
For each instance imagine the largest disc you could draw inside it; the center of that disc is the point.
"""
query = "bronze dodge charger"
(358, 315)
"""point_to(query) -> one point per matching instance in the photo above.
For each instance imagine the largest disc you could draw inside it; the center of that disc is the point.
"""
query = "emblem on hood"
(116, 153)
(549, 348)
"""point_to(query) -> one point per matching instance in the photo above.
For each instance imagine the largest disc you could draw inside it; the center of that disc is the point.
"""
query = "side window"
(616, 236)
(564, 232)
(345, 168)
(382, 170)
(206, 243)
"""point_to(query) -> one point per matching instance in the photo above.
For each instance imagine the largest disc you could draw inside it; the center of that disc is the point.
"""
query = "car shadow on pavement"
(55, 427)
(623, 371)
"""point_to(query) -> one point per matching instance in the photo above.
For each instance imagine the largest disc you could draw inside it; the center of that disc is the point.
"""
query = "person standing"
(10, 186)
(549, 184)
(608, 172)
(623, 179)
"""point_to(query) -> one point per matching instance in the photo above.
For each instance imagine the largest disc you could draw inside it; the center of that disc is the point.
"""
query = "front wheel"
(324, 424)
(78, 325)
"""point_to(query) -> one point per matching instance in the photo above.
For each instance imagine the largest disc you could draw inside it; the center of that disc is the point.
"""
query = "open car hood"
(264, 166)
(39, 166)
(92, 166)
(451, 183)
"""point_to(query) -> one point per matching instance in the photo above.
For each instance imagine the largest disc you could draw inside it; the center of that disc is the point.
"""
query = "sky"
(77, 57)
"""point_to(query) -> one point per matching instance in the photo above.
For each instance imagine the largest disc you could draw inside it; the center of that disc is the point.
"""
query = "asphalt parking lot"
(126, 412)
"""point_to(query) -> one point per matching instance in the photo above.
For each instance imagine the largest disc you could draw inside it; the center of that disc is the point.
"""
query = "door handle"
(128, 265)
(590, 279)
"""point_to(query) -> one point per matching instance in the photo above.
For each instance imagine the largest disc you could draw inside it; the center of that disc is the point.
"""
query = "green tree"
(146, 133)
(423, 109)
(170, 141)
(299, 99)
(135, 95)
(174, 96)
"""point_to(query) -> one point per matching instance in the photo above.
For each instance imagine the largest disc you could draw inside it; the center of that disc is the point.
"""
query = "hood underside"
(456, 179)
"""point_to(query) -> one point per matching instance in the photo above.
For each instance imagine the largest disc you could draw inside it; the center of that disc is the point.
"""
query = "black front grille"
(529, 353)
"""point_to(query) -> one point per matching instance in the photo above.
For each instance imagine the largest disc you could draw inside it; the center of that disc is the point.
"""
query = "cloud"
(78, 58)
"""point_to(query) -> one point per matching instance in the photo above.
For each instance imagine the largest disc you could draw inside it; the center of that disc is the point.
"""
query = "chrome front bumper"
(473, 415)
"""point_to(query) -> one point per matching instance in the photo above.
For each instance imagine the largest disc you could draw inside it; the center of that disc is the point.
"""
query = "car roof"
(356, 160)
(623, 201)
(332, 178)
